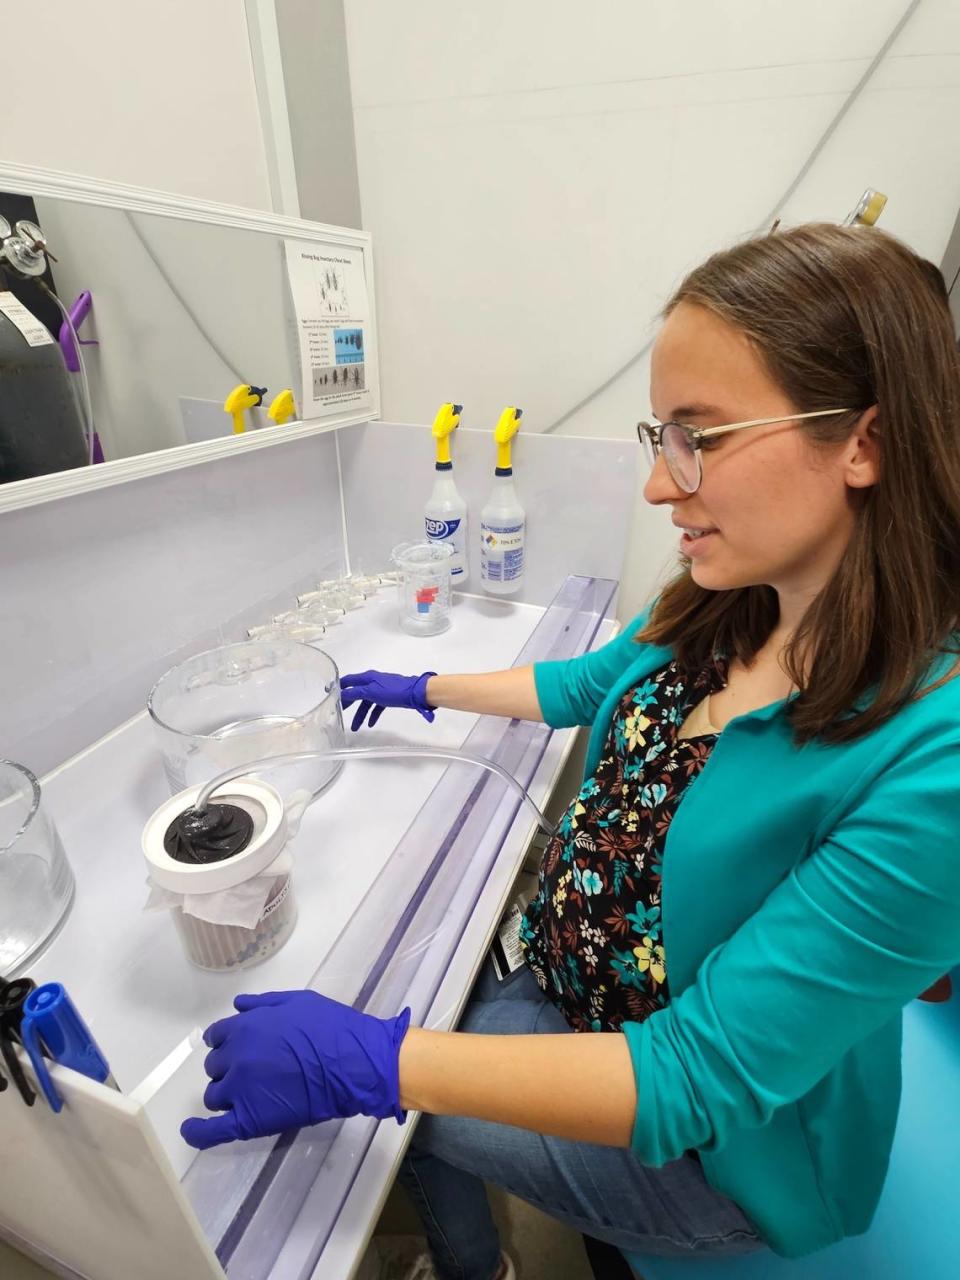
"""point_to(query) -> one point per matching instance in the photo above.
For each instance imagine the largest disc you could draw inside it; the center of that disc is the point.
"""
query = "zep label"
(440, 529)
(448, 531)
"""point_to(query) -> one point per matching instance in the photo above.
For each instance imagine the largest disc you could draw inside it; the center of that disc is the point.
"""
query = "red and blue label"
(426, 596)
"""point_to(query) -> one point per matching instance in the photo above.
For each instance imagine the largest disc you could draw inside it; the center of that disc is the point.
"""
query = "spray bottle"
(503, 520)
(445, 515)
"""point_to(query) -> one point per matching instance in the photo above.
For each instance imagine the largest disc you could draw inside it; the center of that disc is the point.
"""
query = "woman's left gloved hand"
(377, 690)
(289, 1059)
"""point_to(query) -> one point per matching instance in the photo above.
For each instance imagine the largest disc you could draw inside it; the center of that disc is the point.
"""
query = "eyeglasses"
(681, 444)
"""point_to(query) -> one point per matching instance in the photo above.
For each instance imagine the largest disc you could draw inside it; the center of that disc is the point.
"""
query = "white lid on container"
(261, 801)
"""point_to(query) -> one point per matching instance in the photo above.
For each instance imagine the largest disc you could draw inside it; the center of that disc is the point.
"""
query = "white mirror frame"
(30, 181)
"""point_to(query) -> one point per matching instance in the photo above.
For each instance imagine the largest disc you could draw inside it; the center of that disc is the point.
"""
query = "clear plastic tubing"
(374, 753)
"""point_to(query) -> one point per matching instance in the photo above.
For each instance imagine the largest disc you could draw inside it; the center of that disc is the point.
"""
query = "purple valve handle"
(78, 313)
(71, 358)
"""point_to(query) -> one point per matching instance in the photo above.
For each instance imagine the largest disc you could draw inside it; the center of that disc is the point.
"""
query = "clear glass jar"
(36, 882)
(243, 702)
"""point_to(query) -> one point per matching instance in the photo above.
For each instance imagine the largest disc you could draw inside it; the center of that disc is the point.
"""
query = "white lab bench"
(125, 967)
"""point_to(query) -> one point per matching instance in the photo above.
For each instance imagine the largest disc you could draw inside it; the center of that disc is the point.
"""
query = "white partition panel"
(91, 1192)
(101, 592)
(578, 495)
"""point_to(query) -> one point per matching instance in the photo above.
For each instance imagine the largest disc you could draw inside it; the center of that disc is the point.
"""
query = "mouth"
(694, 539)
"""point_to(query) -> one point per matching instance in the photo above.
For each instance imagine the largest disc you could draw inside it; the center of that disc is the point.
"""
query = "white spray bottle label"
(501, 549)
(451, 531)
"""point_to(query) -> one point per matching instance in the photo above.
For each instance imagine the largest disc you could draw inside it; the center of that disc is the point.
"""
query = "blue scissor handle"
(30, 1039)
(51, 1016)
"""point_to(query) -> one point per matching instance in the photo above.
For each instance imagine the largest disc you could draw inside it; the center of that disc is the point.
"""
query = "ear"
(862, 459)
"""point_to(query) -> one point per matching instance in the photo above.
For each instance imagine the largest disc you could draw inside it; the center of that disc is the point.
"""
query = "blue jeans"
(601, 1191)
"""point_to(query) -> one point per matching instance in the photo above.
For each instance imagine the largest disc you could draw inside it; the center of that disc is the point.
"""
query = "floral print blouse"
(593, 936)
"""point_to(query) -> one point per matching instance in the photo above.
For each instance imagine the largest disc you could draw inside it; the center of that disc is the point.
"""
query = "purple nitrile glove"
(293, 1058)
(379, 690)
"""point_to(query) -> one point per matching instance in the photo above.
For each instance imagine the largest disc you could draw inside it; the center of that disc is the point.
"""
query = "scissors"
(12, 997)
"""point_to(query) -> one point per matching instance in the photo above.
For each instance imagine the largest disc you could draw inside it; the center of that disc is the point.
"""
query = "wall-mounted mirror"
(140, 332)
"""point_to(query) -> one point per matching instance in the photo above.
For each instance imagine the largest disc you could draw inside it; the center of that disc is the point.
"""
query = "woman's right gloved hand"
(288, 1059)
(377, 690)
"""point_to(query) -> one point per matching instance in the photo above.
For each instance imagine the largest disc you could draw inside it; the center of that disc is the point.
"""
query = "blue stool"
(916, 1230)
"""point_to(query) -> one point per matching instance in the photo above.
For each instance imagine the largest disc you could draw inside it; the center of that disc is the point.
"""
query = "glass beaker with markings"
(424, 586)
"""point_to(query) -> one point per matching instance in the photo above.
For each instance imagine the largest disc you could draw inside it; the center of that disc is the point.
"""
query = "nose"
(661, 487)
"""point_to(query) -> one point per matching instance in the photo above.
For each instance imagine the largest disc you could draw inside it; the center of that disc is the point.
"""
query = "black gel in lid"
(212, 835)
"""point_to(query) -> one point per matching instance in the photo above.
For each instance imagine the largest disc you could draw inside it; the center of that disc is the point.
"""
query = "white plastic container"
(445, 521)
(503, 525)
(240, 910)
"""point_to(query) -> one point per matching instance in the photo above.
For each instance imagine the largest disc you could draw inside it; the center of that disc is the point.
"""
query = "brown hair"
(845, 316)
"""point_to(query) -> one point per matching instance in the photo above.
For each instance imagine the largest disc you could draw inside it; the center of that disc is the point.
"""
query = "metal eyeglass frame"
(650, 436)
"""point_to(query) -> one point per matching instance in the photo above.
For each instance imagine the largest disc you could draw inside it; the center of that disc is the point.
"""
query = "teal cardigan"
(808, 894)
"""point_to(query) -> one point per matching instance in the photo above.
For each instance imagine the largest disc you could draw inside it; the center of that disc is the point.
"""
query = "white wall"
(157, 95)
(537, 177)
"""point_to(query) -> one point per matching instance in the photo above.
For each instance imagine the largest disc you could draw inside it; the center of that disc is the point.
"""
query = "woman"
(763, 864)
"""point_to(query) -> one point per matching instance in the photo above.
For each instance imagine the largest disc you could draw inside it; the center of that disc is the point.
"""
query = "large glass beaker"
(36, 883)
(243, 702)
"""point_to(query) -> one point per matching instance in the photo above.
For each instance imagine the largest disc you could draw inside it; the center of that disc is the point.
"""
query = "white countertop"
(125, 968)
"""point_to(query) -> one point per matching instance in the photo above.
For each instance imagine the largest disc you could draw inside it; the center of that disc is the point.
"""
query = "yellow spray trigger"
(241, 399)
(444, 425)
(868, 210)
(282, 408)
(874, 208)
(507, 427)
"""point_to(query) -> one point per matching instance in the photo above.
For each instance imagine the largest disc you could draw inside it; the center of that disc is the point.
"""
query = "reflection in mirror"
(171, 315)
(43, 424)
(124, 332)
